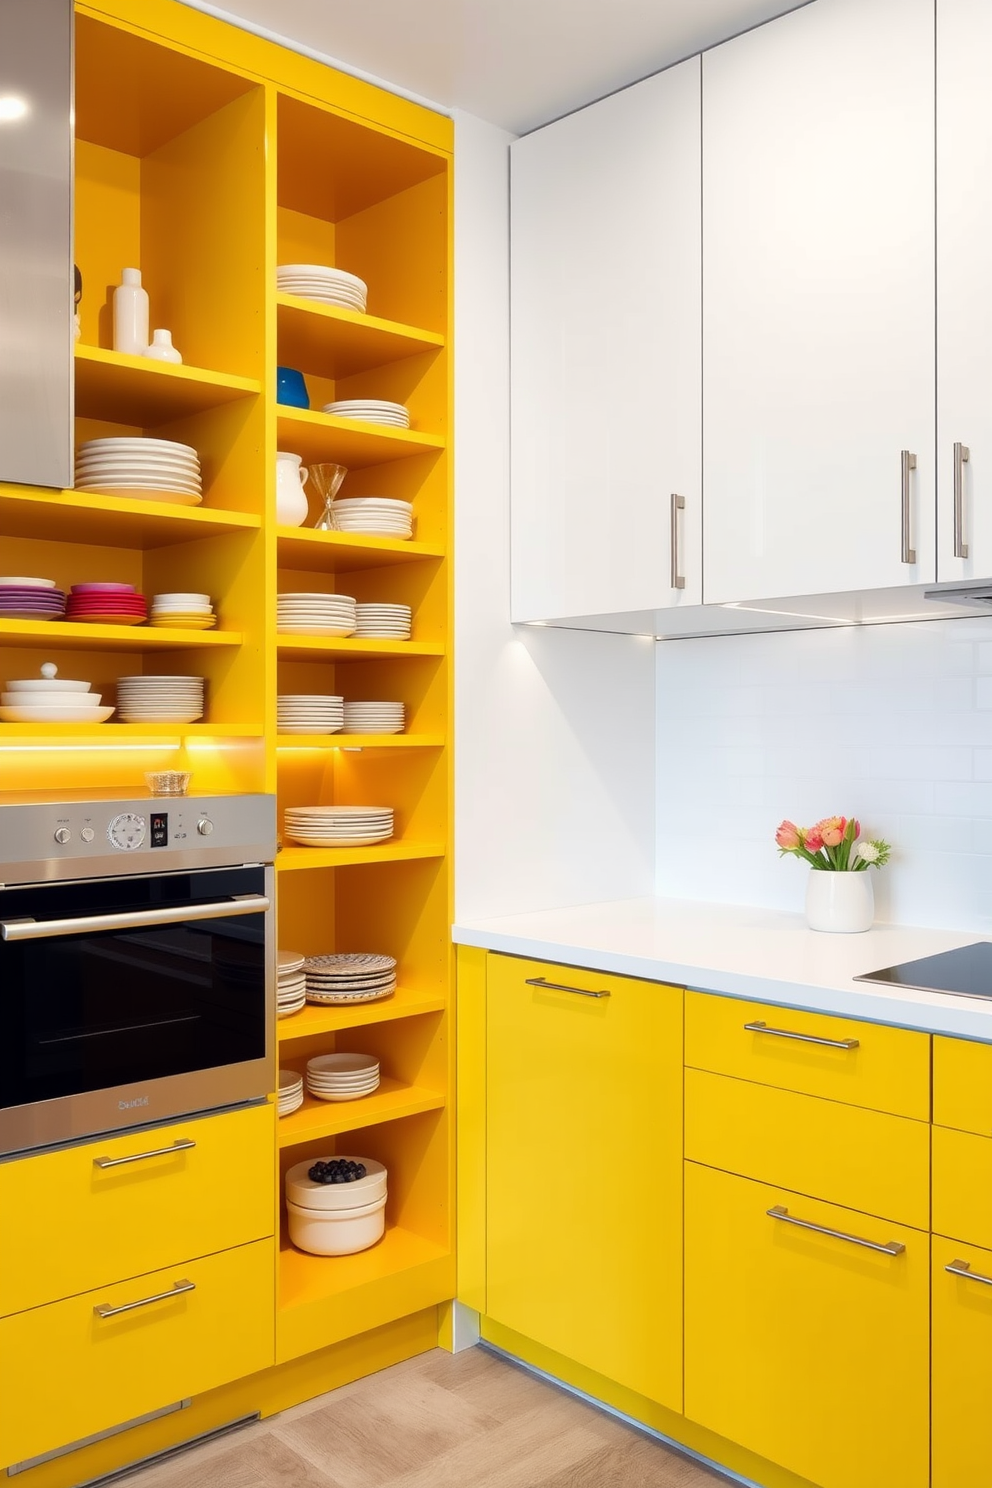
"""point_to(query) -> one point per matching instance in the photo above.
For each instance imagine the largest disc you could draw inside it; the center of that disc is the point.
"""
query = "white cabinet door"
(818, 293)
(964, 287)
(605, 347)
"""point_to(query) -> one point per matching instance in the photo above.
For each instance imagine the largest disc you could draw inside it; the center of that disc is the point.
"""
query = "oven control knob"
(87, 834)
(205, 826)
(63, 835)
(127, 831)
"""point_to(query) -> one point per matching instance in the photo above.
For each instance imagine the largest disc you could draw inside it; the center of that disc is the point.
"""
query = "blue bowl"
(291, 388)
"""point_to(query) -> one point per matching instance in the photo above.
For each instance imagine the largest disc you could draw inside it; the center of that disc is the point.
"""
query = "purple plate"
(103, 589)
(8, 592)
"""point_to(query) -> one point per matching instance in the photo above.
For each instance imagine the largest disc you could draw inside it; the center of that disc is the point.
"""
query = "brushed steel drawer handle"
(184, 1144)
(677, 576)
(962, 454)
(560, 987)
(963, 1268)
(907, 553)
(176, 1290)
(801, 1038)
(779, 1211)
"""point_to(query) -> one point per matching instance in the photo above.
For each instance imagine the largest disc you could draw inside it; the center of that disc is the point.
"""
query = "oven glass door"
(113, 983)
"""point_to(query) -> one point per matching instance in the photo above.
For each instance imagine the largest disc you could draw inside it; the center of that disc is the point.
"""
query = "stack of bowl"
(183, 611)
(51, 699)
(337, 1212)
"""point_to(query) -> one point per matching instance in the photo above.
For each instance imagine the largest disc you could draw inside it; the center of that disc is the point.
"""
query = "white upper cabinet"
(605, 346)
(964, 289)
(818, 293)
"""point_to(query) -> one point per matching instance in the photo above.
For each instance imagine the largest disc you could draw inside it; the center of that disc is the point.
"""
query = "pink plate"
(103, 589)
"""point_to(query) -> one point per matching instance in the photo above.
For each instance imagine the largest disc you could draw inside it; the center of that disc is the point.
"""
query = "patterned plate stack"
(350, 977)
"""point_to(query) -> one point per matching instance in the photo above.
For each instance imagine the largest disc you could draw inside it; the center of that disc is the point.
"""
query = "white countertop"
(742, 952)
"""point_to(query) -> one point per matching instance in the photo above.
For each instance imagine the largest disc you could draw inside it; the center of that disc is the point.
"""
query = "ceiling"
(517, 63)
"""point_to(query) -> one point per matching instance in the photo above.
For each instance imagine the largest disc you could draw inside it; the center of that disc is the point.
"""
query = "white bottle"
(131, 314)
(162, 349)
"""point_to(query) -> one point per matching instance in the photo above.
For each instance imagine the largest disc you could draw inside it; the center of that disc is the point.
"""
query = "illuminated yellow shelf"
(334, 342)
(112, 521)
(317, 1118)
(314, 1021)
(351, 442)
(341, 552)
(140, 390)
(123, 733)
(286, 742)
(292, 858)
(63, 635)
(349, 648)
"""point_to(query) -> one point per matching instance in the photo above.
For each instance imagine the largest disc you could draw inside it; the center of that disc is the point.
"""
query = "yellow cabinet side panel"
(471, 1127)
(962, 1346)
(584, 1184)
(962, 1085)
(962, 1186)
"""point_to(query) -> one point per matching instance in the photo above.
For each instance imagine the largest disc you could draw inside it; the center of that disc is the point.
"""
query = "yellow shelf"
(359, 741)
(139, 390)
(314, 1021)
(63, 635)
(122, 733)
(290, 859)
(351, 442)
(332, 342)
(112, 521)
(348, 648)
(317, 1118)
(341, 552)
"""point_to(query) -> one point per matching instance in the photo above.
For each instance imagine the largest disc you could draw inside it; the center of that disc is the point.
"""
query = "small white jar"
(333, 1232)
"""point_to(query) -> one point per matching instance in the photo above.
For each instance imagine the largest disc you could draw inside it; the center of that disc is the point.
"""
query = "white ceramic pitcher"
(291, 501)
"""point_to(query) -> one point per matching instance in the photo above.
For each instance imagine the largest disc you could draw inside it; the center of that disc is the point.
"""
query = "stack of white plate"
(338, 826)
(183, 611)
(290, 1092)
(152, 469)
(291, 982)
(309, 713)
(380, 515)
(51, 699)
(350, 977)
(159, 699)
(374, 718)
(371, 411)
(315, 614)
(320, 282)
(341, 1077)
(390, 621)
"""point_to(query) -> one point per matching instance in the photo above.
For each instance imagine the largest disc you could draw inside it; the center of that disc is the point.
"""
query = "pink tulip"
(831, 829)
(812, 840)
(788, 837)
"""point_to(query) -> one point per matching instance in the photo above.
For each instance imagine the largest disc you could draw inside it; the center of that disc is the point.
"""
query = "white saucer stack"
(374, 718)
(371, 411)
(387, 621)
(159, 699)
(151, 469)
(309, 713)
(290, 1092)
(291, 982)
(338, 826)
(342, 1077)
(183, 611)
(315, 614)
(352, 976)
(378, 515)
(321, 282)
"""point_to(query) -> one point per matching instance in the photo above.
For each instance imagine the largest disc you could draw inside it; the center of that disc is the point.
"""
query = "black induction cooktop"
(966, 972)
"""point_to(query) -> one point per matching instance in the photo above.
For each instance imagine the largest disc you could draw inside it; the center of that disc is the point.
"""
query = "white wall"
(554, 730)
(891, 723)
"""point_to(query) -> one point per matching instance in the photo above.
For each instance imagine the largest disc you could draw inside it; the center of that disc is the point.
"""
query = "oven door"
(133, 1000)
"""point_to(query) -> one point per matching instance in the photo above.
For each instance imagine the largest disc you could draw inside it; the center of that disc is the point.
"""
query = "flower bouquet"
(839, 894)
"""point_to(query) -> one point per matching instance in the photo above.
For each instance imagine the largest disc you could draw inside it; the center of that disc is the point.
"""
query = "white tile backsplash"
(889, 723)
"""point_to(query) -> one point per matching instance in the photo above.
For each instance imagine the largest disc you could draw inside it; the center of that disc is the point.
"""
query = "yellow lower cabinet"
(74, 1368)
(810, 1350)
(962, 1348)
(584, 1143)
(962, 1186)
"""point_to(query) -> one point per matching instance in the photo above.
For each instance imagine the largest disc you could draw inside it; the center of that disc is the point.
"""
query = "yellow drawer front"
(67, 1373)
(962, 1085)
(210, 1189)
(962, 1186)
(962, 1346)
(862, 1064)
(809, 1350)
(846, 1155)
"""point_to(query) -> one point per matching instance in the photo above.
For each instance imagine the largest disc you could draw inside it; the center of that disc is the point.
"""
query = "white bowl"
(320, 1233)
(48, 684)
(62, 700)
(28, 714)
(304, 1193)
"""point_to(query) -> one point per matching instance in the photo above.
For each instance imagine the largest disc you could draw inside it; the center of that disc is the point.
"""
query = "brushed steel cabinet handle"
(183, 1144)
(560, 987)
(143, 919)
(963, 1268)
(779, 1212)
(176, 1290)
(908, 553)
(678, 505)
(962, 454)
(802, 1038)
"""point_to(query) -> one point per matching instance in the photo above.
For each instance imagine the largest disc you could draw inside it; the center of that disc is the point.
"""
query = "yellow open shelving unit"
(207, 156)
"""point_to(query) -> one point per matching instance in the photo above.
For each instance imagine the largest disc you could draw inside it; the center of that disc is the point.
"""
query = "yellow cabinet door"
(962, 1186)
(584, 1193)
(962, 1085)
(138, 1202)
(962, 1347)
(76, 1367)
(810, 1350)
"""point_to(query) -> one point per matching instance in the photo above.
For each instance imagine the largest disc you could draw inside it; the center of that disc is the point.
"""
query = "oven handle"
(240, 904)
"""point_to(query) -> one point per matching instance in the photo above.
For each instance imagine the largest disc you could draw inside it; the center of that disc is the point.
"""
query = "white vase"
(291, 502)
(131, 314)
(841, 902)
(162, 349)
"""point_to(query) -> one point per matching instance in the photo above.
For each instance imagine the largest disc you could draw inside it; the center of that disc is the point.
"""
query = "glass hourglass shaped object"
(327, 483)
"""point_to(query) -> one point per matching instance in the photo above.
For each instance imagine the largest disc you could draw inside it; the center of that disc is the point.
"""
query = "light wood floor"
(468, 1420)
